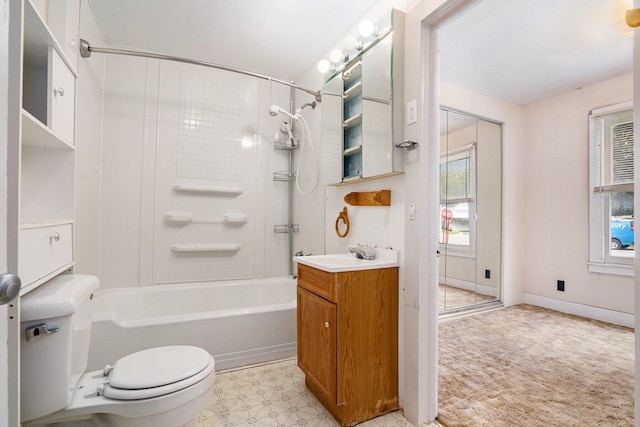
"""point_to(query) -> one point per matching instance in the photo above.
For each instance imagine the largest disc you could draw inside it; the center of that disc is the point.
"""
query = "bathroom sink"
(334, 263)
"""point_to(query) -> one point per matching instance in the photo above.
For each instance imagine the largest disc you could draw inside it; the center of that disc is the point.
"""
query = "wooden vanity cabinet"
(348, 340)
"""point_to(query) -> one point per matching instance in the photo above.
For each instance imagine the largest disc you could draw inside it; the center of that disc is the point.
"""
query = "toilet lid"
(158, 371)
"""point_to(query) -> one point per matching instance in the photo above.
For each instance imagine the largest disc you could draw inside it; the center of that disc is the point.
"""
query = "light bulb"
(336, 56)
(366, 28)
(323, 66)
(352, 43)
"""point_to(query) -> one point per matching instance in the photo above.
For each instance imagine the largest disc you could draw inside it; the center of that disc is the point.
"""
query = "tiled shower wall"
(184, 148)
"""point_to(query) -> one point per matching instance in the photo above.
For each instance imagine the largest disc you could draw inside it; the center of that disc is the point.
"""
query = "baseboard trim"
(470, 286)
(596, 313)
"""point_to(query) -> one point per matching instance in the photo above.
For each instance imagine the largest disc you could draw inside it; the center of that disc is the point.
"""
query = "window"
(612, 222)
(456, 197)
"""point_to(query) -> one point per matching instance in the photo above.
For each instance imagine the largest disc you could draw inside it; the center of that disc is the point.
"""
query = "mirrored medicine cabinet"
(362, 109)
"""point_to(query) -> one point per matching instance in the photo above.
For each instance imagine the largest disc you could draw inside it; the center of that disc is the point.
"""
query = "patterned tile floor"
(272, 395)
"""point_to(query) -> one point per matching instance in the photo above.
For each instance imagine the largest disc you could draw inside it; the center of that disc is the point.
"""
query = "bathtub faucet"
(363, 251)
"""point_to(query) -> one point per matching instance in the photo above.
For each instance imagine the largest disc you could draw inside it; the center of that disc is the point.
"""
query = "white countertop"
(335, 263)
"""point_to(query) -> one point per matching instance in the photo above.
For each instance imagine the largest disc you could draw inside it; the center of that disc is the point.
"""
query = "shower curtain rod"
(86, 49)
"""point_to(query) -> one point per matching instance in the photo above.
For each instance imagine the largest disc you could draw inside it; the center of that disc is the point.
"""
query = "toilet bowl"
(157, 387)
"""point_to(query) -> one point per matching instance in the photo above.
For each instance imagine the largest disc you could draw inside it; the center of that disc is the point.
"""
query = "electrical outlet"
(487, 274)
(561, 285)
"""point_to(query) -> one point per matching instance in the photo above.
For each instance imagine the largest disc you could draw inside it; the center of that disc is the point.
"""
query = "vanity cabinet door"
(317, 341)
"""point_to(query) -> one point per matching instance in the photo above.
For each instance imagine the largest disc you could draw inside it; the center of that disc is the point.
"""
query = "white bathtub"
(239, 323)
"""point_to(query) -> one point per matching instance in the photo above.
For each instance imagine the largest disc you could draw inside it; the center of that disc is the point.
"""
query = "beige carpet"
(528, 366)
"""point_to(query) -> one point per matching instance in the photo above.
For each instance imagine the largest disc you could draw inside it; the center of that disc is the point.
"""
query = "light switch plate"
(412, 112)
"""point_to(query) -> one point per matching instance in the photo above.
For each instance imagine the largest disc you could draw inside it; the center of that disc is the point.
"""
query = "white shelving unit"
(47, 155)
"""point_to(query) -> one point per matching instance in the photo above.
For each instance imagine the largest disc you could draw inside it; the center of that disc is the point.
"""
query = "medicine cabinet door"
(332, 131)
(377, 135)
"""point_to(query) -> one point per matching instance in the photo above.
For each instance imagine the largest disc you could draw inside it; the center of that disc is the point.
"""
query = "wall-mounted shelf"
(36, 134)
(47, 154)
(284, 176)
(196, 247)
(353, 73)
(184, 218)
(353, 121)
(353, 91)
(353, 150)
(213, 191)
(286, 228)
(369, 198)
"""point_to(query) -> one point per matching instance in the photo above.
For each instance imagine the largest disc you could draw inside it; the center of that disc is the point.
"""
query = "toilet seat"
(156, 372)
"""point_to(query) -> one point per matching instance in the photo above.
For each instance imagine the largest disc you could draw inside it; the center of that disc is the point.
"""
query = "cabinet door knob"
(59, 91)
(326, 324)
(55, 237)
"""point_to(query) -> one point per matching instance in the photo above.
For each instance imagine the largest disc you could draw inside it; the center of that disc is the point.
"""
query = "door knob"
(9, 287)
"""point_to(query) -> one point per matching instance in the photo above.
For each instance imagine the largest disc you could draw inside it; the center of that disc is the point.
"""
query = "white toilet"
(162, 386)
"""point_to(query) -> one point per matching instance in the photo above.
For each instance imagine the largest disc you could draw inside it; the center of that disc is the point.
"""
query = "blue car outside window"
(622, 233)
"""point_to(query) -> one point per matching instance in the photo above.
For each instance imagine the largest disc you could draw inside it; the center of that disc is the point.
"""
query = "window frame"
(600, 258)
(459, 153)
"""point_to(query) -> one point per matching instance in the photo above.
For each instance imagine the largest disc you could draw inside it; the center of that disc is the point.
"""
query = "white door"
(10, 30)
(4, 80)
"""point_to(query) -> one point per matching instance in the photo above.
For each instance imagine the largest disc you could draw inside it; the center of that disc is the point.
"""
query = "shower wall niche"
(188, 194)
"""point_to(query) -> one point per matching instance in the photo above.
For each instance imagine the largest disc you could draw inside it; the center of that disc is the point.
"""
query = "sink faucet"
(363, 252)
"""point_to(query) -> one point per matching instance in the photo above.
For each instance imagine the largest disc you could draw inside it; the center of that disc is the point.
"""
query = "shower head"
(308, 104)
(274, 110)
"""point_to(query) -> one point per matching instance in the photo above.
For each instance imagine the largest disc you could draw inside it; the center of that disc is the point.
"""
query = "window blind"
(612, 149)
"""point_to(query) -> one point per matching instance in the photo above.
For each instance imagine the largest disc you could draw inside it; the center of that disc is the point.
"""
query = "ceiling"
(520, 51)
(526, 50)
(278, 38)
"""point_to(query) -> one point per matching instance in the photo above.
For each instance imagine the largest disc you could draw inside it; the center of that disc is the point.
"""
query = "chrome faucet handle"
(363, 252)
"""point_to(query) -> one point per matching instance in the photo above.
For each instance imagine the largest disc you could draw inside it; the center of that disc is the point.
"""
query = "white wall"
(308, 209)
(90, 95)
(556, 220)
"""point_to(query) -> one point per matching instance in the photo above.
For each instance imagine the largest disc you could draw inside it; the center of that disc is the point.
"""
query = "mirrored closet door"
(470, 211)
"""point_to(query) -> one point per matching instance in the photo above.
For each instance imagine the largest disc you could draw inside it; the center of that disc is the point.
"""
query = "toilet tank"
(51, 363)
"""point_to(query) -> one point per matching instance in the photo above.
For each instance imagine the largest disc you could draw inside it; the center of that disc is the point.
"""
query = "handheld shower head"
(274, 110)
(286, 127)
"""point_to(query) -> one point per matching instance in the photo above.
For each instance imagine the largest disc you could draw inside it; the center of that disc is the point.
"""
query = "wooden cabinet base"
(348, 416)
(348, 340)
